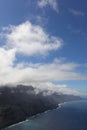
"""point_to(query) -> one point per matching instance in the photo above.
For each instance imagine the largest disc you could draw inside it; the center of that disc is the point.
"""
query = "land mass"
(21, 102)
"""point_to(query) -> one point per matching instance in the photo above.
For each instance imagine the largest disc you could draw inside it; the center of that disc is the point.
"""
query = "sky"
(44, 43)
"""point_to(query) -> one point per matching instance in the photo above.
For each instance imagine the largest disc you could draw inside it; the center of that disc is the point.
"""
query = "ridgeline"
(21, 102)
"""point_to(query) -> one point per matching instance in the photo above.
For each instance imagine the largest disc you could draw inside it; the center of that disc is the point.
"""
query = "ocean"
(68, 116)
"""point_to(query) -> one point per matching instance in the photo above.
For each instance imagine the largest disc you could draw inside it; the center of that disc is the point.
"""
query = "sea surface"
(69, 116)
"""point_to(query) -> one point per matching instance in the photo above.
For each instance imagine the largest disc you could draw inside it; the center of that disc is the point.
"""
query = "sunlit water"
(70, 116)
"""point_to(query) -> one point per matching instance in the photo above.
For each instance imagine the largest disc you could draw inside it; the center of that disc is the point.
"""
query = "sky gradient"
(44, 43)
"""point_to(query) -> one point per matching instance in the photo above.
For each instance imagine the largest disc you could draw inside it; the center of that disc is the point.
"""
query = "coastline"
(62, 104)
(27, 119)
(31, 117)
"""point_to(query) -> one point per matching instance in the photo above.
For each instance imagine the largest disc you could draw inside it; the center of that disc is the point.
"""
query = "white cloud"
(56, 71)
(7, 57)
(34, 73)
(31, 39)
(39, 75)
(76, 12)
(52, 3)
(50, 88)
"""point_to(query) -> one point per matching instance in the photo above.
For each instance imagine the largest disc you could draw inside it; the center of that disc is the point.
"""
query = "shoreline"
(27, 119)
(31, 117)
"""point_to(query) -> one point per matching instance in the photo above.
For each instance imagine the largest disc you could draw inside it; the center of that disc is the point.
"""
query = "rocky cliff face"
(21, 102)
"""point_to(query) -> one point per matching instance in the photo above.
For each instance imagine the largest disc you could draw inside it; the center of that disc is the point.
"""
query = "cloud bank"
(32, 40)
(51, 88)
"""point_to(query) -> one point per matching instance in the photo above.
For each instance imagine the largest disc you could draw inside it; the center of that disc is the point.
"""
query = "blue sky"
(63, 28)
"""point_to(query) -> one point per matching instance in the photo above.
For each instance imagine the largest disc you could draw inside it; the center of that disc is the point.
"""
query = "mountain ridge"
(23, 100)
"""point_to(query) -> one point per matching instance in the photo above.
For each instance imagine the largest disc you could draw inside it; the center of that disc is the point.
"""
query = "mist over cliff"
(26, 101)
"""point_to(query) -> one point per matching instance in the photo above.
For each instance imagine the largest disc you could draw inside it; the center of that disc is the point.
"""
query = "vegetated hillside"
(21, 102)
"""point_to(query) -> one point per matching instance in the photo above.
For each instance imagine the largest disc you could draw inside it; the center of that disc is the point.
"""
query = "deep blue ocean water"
(69, 116)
